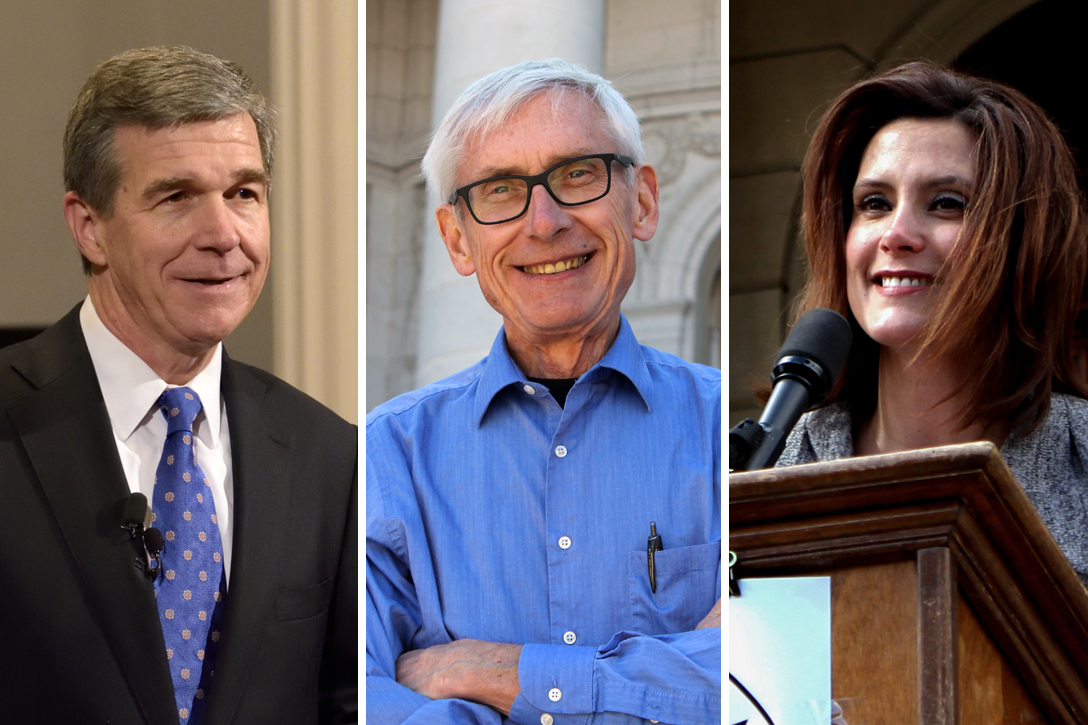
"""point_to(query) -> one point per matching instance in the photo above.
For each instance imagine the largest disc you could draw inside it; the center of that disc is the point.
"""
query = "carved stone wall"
(400, 78)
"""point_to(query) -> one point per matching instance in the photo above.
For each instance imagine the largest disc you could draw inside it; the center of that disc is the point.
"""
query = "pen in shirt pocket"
(653, 543)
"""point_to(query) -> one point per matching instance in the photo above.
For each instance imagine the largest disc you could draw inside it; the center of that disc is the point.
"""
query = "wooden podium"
(950, 601)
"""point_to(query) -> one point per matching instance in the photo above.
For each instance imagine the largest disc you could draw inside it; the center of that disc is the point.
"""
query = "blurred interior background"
(304, 57)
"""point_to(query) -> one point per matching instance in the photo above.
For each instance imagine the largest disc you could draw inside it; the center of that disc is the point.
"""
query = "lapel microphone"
(136, 514)
(136, 520)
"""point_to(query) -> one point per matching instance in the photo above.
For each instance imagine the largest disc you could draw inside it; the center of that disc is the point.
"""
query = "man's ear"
(645, 223)
(83, 223)
(455, 240)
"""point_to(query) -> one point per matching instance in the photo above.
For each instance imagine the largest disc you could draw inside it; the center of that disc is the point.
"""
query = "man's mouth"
(560, 266)
(212, 281)
(904, 281)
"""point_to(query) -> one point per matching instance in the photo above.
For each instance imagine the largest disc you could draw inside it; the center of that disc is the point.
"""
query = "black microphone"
(154, 543)
(809, 363)
(135, 517)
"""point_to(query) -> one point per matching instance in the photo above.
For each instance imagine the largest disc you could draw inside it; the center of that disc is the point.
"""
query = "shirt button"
(555, 694)
(561, 451)
(570, 637)
(546, 719)
(564, 542)
(529, 389)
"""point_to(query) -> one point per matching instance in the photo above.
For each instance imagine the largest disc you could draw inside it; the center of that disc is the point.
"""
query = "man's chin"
(208, 328)
(560, 324)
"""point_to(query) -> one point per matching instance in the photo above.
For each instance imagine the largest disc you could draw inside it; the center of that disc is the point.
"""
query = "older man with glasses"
(544, 527)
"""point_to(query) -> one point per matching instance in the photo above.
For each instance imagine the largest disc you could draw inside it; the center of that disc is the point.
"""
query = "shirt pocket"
(688, 585)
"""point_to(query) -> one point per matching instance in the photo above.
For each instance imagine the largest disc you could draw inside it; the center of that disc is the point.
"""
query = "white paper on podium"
(780, 652)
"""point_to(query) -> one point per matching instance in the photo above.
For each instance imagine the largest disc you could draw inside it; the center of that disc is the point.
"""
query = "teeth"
(904, 282)
(550, 268)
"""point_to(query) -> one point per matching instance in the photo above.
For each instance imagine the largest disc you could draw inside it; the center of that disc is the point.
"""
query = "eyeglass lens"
(576, 182)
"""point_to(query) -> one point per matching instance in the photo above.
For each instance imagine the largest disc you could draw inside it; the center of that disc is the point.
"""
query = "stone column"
(476, 37)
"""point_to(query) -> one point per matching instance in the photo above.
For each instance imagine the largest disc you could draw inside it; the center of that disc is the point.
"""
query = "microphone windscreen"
(153, 541)
(135, 510)
(824, 336)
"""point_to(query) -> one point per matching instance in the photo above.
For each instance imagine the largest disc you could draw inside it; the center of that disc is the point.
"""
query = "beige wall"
(315, 203)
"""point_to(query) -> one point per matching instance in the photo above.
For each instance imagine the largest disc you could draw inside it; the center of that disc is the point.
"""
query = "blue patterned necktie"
(190, 586)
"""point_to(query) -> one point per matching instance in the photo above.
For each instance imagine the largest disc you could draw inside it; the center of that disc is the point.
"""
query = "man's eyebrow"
(173, 183)
(170, 183)
(488, 171)
(252, 176)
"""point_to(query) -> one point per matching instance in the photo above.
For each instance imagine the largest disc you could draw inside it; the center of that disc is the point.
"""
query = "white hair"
(490, 102)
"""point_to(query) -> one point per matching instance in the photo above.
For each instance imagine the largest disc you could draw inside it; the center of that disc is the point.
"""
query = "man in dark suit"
(168, 160)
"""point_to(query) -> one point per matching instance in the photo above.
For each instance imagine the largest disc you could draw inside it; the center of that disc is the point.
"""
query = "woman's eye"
(873, 202)
(949, 202)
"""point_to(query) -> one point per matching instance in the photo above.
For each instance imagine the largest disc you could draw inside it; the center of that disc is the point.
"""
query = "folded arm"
(488, 673)
(410, 641)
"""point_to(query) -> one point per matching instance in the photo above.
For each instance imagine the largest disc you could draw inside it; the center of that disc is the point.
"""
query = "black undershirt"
(558, 387)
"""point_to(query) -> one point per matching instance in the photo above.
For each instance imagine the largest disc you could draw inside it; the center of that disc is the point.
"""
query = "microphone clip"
(136, 520)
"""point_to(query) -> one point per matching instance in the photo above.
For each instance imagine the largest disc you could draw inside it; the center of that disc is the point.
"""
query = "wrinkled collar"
(624, 357)
(130, 388)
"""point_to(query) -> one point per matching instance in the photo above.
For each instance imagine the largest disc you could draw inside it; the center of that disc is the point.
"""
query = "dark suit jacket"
(80, 640)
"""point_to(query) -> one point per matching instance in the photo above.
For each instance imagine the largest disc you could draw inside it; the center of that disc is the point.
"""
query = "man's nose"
(217, 225)
(545, 217)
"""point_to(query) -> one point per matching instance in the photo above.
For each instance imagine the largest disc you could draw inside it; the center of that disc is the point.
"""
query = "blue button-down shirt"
(494, 514)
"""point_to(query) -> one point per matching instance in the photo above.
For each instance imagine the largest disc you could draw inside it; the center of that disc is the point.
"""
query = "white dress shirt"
(130, 389)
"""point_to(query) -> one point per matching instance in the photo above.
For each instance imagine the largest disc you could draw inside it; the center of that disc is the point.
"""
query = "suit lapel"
(260, 461)
(65, 429)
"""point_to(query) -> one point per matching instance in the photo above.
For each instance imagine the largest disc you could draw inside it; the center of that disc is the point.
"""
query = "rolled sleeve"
(672, 678)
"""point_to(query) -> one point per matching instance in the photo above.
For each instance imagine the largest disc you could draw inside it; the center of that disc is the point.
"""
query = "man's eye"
(248, 194)
(499, 188)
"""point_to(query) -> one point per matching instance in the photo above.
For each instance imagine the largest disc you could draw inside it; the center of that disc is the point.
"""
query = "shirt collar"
(624, 357)
(130, 388)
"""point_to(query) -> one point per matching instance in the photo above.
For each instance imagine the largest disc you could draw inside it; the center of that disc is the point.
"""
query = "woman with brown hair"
(942, 217)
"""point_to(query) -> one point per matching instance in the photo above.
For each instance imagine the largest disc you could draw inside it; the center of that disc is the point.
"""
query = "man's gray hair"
(152, 88)
(490, 102)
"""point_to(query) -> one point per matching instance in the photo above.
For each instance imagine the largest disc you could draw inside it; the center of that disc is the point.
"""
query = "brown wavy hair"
(1009, 292)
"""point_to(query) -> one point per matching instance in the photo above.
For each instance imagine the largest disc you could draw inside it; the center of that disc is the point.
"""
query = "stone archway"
(1024, 51)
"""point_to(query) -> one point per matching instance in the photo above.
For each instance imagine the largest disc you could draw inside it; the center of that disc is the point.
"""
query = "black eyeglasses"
(572, 182)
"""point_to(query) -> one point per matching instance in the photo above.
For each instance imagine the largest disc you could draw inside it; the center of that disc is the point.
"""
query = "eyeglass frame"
(541, 179)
